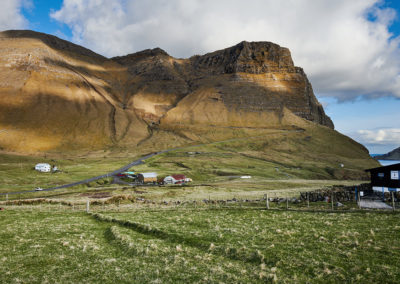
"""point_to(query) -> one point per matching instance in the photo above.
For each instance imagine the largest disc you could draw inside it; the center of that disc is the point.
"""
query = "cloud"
(344, 46)
(11, 16)
(382, 136)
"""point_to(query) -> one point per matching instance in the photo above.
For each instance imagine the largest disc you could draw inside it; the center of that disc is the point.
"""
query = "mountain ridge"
(59, 96)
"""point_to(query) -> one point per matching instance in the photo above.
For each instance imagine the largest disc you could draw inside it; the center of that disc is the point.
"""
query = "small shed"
(385, 179)
(175, 179)
(43, 167)
(147, 177)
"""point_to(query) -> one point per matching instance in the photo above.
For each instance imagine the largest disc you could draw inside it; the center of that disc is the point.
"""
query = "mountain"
(392, 155)
(60, 98)
(236, 86)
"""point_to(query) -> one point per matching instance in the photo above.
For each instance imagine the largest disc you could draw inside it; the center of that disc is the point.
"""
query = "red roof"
(178, 177)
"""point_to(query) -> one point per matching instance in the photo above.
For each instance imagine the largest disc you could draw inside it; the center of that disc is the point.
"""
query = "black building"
(385, 179)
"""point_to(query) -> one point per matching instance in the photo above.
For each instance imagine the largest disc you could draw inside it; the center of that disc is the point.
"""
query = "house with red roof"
(175, 179)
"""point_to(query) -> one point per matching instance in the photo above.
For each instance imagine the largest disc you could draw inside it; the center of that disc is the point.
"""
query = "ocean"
(388, 162)
(385, 162)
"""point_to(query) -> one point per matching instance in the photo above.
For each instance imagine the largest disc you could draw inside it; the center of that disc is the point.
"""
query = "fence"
(321, 200)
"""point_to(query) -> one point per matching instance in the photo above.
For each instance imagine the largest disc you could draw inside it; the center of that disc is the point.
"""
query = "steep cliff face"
(55, 95)
(245, 85)
(252, 80)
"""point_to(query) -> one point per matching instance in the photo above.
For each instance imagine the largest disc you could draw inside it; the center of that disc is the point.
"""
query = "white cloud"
(382, 136)
(344, 54)
(11, 16)
(378, 140)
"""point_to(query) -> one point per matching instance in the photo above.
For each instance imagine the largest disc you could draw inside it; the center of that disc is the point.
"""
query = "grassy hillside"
(314, 152)
(17, 172)
(311, 153)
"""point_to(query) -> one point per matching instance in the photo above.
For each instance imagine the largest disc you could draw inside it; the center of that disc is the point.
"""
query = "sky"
(350, 50)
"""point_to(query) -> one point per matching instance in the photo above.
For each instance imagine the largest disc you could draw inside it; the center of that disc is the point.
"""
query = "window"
(381, 175)
(394, 175)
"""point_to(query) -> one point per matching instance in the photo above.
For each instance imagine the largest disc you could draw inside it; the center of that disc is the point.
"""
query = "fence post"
(359, 200)
(87, 206)
(356, 194)
(6, 197)
(393, 205)
(332, 200)
(308, 200)
(267, 203)
(287, 201)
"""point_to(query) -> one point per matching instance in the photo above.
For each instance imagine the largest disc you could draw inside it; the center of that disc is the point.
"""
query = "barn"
(175, 179)
(147, 177)
(385, 179)
(43, 167)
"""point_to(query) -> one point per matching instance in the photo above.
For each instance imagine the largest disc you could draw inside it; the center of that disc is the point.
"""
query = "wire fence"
(304, 201)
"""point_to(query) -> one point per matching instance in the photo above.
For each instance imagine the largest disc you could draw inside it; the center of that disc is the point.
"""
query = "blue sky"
(349, 49)
(38, 15)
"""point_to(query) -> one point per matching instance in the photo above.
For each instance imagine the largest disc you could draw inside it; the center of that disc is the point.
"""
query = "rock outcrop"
(55, 95)
(247, 79)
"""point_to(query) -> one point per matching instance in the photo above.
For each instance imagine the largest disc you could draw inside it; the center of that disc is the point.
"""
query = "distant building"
(43, 167)
(130, 175)
(175, 179)
(147, 177)
(385, 179)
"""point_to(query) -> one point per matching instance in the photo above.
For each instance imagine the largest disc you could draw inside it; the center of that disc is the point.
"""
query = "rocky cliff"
(236, 86)
(55, 95)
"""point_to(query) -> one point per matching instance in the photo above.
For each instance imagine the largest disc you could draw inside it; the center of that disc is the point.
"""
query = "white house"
(43, 167)
(175, 179)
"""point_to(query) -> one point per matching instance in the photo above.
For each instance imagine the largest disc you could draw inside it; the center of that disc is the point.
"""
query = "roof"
(390, 167)
(42, 165)
(149, 175)
(179, 176)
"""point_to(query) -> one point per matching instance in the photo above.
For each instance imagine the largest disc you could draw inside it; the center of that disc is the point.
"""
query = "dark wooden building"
(385, 179)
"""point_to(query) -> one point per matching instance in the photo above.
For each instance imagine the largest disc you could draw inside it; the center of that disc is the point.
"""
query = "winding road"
(138, 162)
(120, 170)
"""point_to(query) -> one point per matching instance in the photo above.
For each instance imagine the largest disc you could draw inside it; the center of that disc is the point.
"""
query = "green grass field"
(207, 246)
(315, 153)
(17, 172)
(135, 239)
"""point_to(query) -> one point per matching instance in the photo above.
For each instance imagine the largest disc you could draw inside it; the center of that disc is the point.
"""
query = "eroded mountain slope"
(56, 96)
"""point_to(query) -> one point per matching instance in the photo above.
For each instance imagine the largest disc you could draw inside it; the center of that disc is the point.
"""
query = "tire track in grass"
(173, 258)
(229, 252)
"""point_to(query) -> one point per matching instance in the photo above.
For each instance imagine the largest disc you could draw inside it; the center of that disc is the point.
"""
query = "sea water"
(388, 162)
(385, 162)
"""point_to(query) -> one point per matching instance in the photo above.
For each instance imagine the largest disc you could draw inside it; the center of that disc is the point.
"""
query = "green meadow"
(205, 246)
